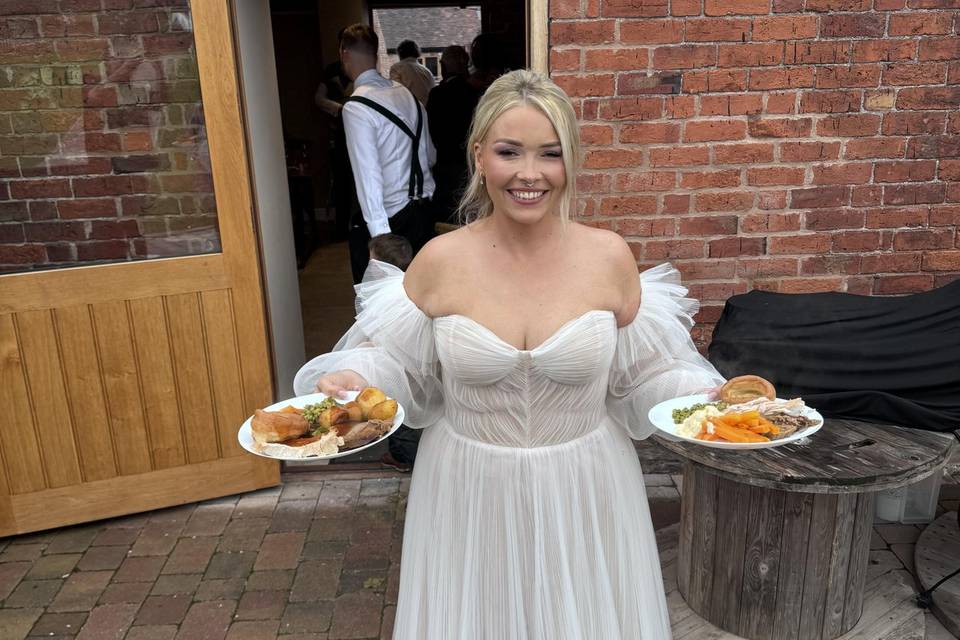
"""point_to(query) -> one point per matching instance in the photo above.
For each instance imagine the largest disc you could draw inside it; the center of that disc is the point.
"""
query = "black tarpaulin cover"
(879, 359)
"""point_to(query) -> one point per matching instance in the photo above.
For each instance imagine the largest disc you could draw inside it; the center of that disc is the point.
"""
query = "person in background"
(486, 52)
(410, 73)
(388, 140)
(396, 250)
(450, 109)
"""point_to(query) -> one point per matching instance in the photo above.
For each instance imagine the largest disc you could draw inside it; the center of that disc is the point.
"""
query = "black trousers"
(414, 222)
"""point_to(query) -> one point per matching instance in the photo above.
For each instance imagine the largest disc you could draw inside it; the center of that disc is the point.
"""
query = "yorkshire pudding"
(746, 388)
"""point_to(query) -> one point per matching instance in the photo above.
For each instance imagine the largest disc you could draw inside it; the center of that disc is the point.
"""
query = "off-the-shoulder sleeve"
(391, 345)
(656, 358)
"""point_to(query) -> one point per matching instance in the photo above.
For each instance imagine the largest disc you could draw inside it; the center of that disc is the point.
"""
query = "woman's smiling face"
(522, 164)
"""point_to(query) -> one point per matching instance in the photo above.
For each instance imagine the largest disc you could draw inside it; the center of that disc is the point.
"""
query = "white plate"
(245, 435)
(662, 418)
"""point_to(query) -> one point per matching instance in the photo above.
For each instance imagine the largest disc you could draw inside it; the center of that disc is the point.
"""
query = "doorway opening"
(306, 47)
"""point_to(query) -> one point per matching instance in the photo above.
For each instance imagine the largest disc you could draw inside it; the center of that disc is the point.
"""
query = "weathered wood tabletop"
(845, 456)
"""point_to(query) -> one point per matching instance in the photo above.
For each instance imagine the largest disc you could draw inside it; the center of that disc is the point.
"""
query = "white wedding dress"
(527, 516)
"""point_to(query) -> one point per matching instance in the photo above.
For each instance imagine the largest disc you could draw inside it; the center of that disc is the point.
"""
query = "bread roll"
(277, 426)
(746, 388)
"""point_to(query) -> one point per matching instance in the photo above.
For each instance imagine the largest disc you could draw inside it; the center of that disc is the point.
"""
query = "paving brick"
(293, 515)
(261, 605)
(244, 534)
(366, 556)
(179, 584)
(102, 558)
(134, 521)
(33, 593)
(116, 537)
(230, 565)
(316, 580)
(357, 615)
(108, 622)
(153, 632)
(324, 529)
(22, 552)
(386, 625)
(306, 617)
(253, 630)
(259, 504)
(73, 540)
(16, 623)
(270, 580)
(393, 584)
(157, 539)
(207, 621)
(279, 551)
(362, 580)
(163, 610)
(191, 555)
(126, 592)
(334, 550)
(301, 490)
(219, 589)
(81, 591)
(337, 497)
(209, 520)
(10, 575)
(377, 534)
(139, 569)
(179, 514)
(379, 486)
(64, 624)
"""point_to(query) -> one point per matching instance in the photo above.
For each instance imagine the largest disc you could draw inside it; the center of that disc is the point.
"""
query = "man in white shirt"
(384, 123)
(410, 73)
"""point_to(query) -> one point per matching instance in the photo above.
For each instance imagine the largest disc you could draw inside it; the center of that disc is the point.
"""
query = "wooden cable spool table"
(774, 542)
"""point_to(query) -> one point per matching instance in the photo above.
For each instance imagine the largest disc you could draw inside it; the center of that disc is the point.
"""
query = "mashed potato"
(690, 427)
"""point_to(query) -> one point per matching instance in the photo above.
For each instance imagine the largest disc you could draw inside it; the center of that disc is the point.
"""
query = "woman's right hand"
(337, 383)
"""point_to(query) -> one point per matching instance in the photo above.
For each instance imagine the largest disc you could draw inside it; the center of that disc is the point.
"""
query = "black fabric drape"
(879, 359)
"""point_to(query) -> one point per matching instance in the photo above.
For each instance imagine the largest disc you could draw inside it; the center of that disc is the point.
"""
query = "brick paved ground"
(317, 558)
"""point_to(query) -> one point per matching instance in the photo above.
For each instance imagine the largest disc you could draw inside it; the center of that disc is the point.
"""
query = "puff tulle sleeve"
(391, 345)
(656, 359)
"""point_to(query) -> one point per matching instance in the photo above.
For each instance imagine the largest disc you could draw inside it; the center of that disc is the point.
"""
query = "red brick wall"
(787, 145)
(102, 144)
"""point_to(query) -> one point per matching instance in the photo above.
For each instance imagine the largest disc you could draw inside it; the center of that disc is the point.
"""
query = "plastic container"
(913, 504)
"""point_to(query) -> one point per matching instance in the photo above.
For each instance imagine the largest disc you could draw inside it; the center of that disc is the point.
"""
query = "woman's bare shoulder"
(432, 265)
(616, 263)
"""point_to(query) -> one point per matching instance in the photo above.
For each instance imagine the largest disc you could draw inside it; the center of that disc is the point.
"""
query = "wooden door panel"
(193, 377)
(21, 449)
(223, 357)
(118, 365)
(48, 397)
(157, 382)
(85, 393)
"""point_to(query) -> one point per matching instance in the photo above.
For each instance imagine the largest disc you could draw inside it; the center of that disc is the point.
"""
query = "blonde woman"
(529, 349)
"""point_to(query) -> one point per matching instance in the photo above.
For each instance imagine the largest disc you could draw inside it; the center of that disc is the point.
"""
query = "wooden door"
(123, 383)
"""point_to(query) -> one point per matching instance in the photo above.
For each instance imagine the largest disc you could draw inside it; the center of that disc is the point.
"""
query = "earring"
(481, 179)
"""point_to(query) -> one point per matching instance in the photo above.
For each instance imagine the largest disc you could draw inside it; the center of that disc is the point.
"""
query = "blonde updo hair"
(522, 87)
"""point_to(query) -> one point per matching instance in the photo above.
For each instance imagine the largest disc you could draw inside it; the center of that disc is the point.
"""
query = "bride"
(529, 349)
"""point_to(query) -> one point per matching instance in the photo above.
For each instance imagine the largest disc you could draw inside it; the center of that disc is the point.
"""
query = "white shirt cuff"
(378, 228)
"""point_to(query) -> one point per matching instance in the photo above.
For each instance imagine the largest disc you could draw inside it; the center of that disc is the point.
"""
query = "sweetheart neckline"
(551, 338)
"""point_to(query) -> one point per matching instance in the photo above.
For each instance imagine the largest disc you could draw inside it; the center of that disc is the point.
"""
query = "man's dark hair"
(393, 249)
(487, 53)
(408, 49)
(361, 38)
